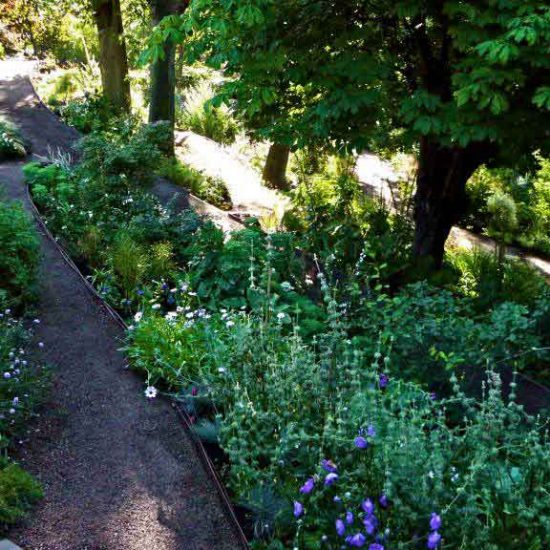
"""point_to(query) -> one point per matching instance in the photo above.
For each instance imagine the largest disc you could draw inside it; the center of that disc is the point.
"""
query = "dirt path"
(119, 472)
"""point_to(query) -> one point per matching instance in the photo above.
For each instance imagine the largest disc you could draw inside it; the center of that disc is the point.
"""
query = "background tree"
(460, 82)
(113, 62)
(163, 72)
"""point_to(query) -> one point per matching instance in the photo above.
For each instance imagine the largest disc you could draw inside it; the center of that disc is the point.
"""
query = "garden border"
(182, 414)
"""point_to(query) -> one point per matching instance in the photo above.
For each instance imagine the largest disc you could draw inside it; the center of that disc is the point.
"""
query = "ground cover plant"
(22, 380)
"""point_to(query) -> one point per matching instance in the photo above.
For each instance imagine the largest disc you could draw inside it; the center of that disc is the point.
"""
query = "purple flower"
(368, 506)
(433, 540)
(340, 527)
(337, 499)
(331, 478)
(383, 500)
(349, 517)
(370, 523)
(298, 509)
(433, 396)
(307, 487)
(435, 522)
(371, 432)
(356, 540)
(376, 546)
(383, 380)
(361, 442)
(329, 466)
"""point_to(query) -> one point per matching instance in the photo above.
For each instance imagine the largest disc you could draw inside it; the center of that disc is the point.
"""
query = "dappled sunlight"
(243, 183)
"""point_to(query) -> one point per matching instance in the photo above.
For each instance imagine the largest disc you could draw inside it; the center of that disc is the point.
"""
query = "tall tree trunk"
(275, 166)
(440, 198)
(113, 61)
(162, 106)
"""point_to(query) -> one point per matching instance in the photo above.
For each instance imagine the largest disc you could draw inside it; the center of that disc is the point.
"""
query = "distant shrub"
(200, 116)
(481, 278)
(530, 193)
(19, 252)
(212, 190)
(87, 114)
(11, 141)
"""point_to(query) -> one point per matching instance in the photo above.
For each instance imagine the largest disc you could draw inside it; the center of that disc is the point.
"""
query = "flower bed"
(319, 395)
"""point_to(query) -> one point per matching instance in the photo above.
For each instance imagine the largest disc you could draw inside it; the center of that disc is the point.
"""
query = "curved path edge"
(119, 472)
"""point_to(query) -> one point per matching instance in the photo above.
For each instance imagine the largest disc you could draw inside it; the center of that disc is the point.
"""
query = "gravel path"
(119, 472)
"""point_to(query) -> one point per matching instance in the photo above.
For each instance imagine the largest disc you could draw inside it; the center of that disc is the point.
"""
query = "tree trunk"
(440, 199)
(162, 104)
(113, 62)
(275, 166)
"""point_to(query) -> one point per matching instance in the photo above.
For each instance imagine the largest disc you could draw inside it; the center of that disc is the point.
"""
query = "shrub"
(482, 278)
(530, 193)
(87, 114)
(199, 115)
(11, 142)
(18, 492)
(20, 255)
(212, 190)
(289, 415)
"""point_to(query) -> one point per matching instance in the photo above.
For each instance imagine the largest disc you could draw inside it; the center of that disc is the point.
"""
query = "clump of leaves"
(12, 144)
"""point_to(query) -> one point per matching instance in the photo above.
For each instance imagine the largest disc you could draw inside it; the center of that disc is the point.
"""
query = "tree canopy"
(363, 72)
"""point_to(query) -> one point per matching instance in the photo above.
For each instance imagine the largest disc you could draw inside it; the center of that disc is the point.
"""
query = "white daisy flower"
(150, 392)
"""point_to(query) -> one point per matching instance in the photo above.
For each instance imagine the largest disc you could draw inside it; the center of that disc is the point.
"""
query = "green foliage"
(212, 190)
(504, 221)
(199, 115)
(87, 114)
(20, 253)
(11, 141)
(18, 492)
(456, 72)
(531, 195)
(280, 406)
(483, 279)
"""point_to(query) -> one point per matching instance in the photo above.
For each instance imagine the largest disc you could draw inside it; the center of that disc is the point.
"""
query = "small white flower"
(7, 375)
(221, 370)
(229, 324)
(12, 411)
(179, 309)
(138, 316)
(15, 401)
(155, 306)
(131, 327)
(189, 315)
(280, 315)
(36, 321)
(40, 344)
(171, 315)
(150, 392)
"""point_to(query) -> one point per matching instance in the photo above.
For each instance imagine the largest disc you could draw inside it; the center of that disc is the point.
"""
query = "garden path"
(119, 472)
